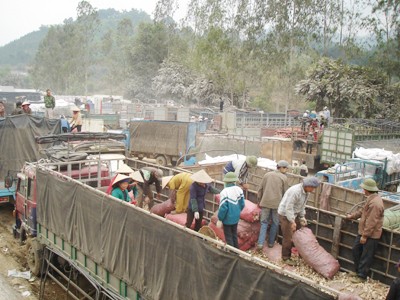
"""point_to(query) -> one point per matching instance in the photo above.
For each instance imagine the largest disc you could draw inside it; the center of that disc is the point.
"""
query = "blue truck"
(352, 173)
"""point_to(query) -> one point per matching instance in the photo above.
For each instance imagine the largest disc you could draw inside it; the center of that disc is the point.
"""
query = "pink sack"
(250, 212)
(313, 254)
(181, 219)
(163, 208)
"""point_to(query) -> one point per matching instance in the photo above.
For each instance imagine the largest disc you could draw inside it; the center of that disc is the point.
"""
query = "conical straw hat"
(202, 177)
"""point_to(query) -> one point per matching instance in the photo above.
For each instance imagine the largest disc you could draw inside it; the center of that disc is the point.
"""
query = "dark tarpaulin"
(17, 140)
(157, 259)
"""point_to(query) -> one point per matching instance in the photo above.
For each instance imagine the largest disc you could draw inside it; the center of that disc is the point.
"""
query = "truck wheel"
(161, 160)
(22, 236)
(34, 257)
(392, 188)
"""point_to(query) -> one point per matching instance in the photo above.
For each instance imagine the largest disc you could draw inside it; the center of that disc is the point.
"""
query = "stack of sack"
(248, 226)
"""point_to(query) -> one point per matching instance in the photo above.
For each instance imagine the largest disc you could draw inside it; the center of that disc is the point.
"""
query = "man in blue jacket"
(232, 203)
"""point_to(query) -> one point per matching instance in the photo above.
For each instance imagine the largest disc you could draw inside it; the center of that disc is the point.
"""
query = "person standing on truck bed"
(303, 169)
(76, 121)
(369, 230)
(50, 104)
(198, 191)
(292, 211)
(150, 175)
(232, 203)
(270, 192)
(241, 168)
(120, 186)
(179, 186)
(25, 107)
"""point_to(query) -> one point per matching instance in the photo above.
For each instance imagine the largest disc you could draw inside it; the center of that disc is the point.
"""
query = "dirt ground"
(13, 256)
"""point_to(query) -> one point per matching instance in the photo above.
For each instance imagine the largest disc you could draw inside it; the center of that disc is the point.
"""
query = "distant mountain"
(20, 53)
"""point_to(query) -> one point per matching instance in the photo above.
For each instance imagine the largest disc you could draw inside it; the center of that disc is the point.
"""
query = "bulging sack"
(163, 208)
(250, 212)
(313, 254)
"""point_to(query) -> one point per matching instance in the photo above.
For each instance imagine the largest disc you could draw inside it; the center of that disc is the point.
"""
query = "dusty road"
(13, 256)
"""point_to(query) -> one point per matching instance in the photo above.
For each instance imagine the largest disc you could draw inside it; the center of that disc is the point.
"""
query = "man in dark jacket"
(369, 230)
(394, 291)
(150, 175)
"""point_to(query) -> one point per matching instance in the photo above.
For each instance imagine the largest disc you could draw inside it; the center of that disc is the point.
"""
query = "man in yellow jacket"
(179, 186)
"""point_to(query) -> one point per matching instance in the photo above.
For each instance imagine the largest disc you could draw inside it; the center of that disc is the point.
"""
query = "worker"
(270, 192)
(119, 188)
(25, 107)
(198, 190)
(303, 169)
(394, 290)
(179, 190)
(292, 213)
(76, 121)
(304, 120)
(18, 109)
(150, 175)
(65, 127)
(241, 168)
(50, 104)
(133, 183)
(327, 116)
(310, 142)
(232, 203)
(369, 230)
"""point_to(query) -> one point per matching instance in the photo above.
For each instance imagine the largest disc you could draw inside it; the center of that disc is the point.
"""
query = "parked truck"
(165, 141)
(352, 173)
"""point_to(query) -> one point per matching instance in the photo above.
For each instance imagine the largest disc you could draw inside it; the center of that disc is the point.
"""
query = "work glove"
(219, 224)
(196, 215)
(303, 222)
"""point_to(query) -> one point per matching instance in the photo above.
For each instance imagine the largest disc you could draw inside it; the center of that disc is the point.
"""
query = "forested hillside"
(272, 55)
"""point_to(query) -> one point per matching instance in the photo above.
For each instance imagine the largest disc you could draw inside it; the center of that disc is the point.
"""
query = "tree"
(363, 92)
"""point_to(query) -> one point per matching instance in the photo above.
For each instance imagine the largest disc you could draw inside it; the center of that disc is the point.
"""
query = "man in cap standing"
(270, 192)
(198, 190)
(292, 211)
(241, 168)
(50, 104)
(369, 230)
(327, 116)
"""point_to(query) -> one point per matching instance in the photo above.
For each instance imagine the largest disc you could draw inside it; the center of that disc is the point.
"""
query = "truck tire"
(161, 160)
(392, 188)
(34, 257)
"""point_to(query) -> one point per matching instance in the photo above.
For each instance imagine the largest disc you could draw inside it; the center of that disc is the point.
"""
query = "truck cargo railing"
(152, 247)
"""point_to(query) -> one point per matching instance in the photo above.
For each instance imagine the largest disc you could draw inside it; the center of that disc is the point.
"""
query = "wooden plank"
(336, 236)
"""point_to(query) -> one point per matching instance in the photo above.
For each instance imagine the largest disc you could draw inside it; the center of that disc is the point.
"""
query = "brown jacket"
(371, 222)
(271, 190)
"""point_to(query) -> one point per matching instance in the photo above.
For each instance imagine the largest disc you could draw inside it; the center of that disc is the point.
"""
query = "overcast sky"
(19, 17)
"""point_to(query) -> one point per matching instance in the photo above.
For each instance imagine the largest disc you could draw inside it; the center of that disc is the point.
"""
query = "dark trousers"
(287, 234)
(309, 148)
(230, 232)
(363, 255)
(143, 193)
(190, 217)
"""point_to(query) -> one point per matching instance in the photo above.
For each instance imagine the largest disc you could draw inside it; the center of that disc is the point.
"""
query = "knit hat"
(76, 109)
(25, 103)
(230, 177)
(165, 180)
(370, 185)
(124, 169)
(251, 161)
(136, 176)
(121, 178)
(282, 164)
(159, 173)
(201, 176)
(311, 181)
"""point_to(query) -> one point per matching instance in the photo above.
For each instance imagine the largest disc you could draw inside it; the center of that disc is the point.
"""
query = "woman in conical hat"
(199, 188)
(120, 187)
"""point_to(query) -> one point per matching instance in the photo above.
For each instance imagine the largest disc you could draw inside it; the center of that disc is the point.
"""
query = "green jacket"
(117, 193)
(49, 101)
